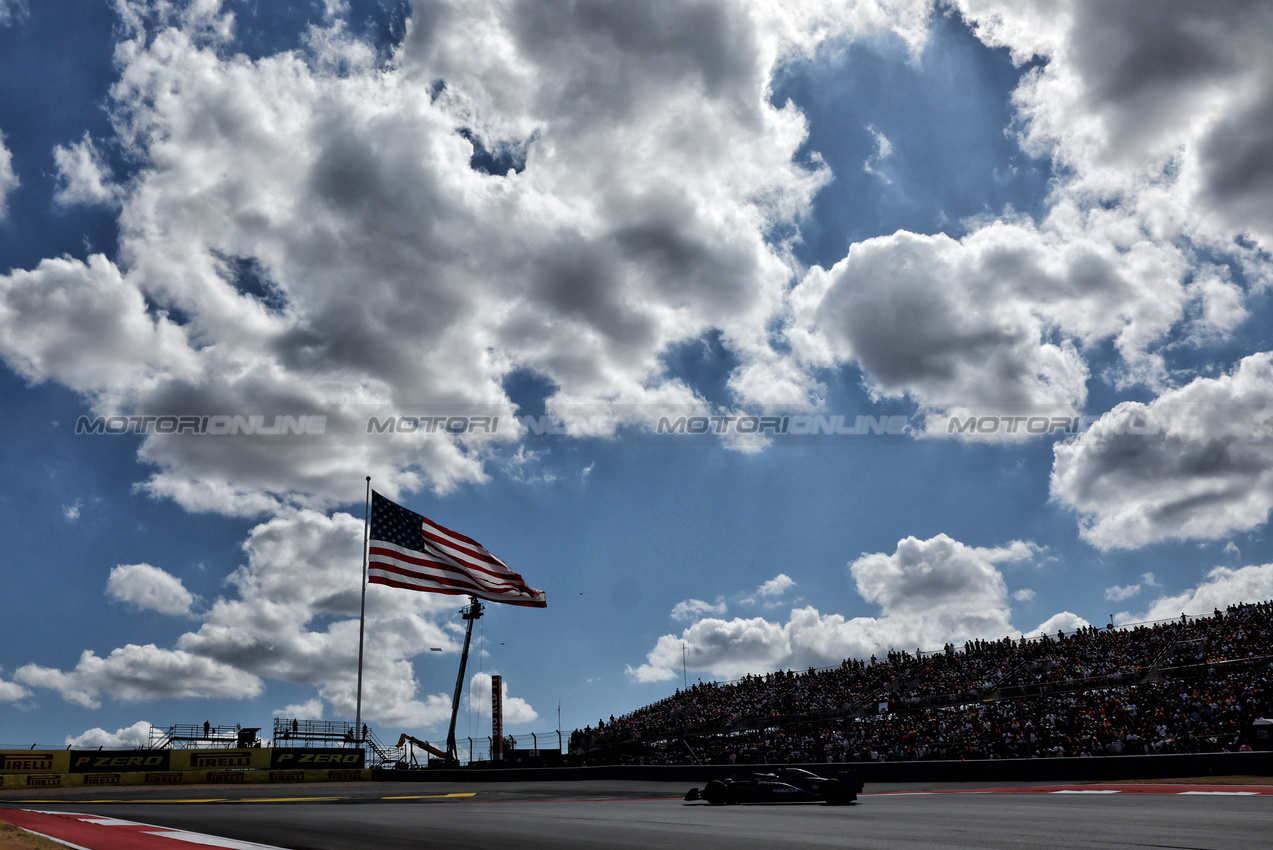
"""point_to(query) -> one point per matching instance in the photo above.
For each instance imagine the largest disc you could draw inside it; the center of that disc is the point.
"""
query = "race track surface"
(645, 814)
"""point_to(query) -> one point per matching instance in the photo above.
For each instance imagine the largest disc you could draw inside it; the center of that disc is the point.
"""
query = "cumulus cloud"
(311, 709)
(265, 186)
(83, 325)
(1222, 587)
(1197, 462)
(929, 592)
(1155, 117)
(293, 615)
(516, 710)
(149, 589)
(1118, 593)
(1062, 622)
(610, 177)
(83, 175)
(992, 322)
(290, 613)
(319, 233)
(776, 586)
(694, 609)
(12, 691)
(135, 737)
(133, 673)
(1161, 107)
(1025, 594)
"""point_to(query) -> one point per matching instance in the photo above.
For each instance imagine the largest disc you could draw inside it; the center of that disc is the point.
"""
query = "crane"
(424, 745)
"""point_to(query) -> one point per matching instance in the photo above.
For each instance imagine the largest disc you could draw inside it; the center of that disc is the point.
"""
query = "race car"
(792, 785)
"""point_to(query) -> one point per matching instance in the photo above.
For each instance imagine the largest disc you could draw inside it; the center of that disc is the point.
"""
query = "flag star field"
(752, 335)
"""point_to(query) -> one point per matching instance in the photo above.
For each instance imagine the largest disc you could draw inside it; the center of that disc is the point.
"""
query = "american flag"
(413, 552)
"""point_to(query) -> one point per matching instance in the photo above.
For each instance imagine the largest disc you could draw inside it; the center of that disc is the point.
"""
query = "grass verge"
(13, 838)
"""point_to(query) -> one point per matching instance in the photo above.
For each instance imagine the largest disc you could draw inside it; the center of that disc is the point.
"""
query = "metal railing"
(188, 736)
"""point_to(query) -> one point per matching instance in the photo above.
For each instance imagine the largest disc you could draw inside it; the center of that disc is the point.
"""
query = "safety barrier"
(76, 768)
(1090, 769)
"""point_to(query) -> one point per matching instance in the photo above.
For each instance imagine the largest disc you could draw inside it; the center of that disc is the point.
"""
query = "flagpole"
(362, 613)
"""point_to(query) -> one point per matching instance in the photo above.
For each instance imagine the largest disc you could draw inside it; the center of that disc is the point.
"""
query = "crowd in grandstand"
(1183, 686)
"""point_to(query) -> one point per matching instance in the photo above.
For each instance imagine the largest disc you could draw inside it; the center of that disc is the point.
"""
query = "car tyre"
(834, 793)
(714, 792)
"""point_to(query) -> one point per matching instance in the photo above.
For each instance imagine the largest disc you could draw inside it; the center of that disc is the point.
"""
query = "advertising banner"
(220, 759)
(311, 758)
(34, 761)
(106, 761)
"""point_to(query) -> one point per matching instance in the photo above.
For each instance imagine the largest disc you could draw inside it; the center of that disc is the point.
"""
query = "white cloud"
(650, 673)
(311, 709)
(993, 322)
(290, 613)
(85, 326)
(72, 511)
(694, 609)
(8, 179)
(1196, 462)
(12, 11)
(929, 592)
(776, 586)
(1025, 594)
(647, 169)
(149, 589)
(12, 691)
(135, 737)
(1222, 306)
(294, 616)
(1062, 622)
(644, 166)
(1222, 587)
(1162, 107)
(516, 709)
(883, 150)
(133, 673)
(1118, 593)
(83, 175)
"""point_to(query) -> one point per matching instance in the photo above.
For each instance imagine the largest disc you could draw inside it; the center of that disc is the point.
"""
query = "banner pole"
(362, 613)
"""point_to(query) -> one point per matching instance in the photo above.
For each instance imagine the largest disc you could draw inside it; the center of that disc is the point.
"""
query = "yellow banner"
(220, 759)
(183, 777)
(34, 761)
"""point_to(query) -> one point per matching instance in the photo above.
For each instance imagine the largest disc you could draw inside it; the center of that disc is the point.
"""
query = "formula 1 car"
(792, 785)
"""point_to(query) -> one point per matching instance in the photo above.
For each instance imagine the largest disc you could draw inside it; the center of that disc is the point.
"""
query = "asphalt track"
(651, 814)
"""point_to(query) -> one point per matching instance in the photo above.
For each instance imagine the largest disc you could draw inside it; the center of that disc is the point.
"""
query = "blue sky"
(994, 213)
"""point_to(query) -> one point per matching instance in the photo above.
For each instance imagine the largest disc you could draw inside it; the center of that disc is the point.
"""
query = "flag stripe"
(460, 558)
(385, 555)
(410, 551)
(459, 585)
(388, 582)
(472, 559)
(458, 542)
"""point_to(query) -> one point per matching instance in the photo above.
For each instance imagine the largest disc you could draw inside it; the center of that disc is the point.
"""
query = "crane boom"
(424, 745)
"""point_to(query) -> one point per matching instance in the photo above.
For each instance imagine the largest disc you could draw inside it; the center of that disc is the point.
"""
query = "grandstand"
(1178, 686)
